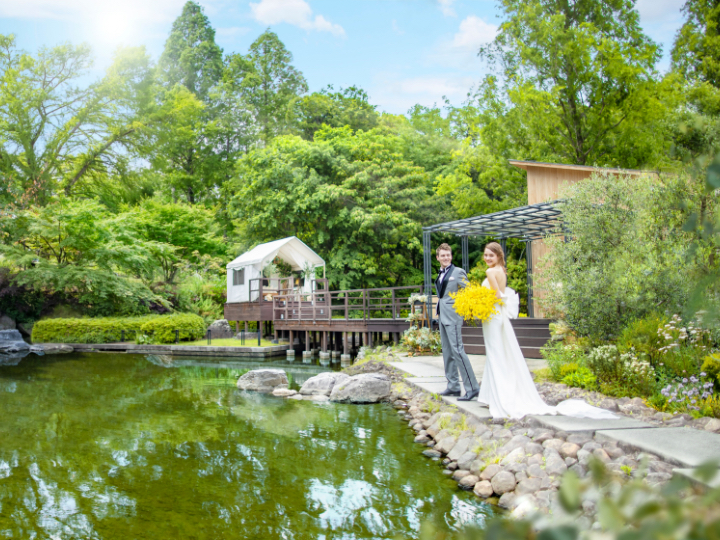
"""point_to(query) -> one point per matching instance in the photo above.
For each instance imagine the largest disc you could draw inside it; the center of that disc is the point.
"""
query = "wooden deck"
(342, 320)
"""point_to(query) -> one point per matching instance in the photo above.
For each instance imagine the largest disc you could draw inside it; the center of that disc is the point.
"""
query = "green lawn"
(228, 343)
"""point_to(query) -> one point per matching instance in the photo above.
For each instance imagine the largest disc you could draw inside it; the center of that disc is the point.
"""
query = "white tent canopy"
(250, 265)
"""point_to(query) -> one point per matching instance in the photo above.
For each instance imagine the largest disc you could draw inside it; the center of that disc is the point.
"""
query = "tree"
(350, 196)
(54, 133)
(189, 231)
(191, 57)
(348, 107)
(579, 83)
(268, 82)
(80, 250)
(696, 51)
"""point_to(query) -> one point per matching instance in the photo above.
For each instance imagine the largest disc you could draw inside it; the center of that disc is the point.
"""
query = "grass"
(227, 343)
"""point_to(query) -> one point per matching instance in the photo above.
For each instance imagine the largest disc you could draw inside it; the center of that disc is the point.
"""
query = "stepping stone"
(570, 424)
(684, 447)
(426, 379)
(691, 474)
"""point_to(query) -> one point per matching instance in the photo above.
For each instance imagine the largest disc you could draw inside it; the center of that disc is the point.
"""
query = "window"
(239, 277)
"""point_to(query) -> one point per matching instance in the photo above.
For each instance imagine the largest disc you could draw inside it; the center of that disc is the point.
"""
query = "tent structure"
(249, 266)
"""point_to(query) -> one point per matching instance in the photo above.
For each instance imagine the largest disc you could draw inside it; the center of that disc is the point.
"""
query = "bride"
(507, 387)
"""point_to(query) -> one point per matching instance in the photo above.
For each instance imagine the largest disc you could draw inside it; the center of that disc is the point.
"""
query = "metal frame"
(527, 223)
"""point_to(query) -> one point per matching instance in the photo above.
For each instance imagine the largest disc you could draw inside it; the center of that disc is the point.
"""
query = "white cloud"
(473, 33)
(446, 8)
(295, 12)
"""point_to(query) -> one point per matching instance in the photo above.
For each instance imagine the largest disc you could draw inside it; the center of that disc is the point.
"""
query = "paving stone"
(682, 446)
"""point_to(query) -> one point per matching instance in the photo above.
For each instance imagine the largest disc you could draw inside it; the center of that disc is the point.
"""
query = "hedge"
(157, 328)
(162, 329)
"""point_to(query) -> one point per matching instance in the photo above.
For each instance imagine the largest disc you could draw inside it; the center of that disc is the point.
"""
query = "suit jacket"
(455, 279)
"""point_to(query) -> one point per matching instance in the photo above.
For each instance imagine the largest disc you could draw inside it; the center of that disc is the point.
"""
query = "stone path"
(684, 447)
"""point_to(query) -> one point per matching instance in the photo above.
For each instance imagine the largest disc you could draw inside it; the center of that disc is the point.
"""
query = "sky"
(402, 52)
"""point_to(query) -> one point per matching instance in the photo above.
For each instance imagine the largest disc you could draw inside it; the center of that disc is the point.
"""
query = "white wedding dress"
(507, 387)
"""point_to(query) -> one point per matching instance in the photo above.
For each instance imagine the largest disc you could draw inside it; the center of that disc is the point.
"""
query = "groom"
(450, 280)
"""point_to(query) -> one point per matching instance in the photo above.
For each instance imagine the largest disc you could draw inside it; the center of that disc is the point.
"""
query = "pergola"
(527, 223)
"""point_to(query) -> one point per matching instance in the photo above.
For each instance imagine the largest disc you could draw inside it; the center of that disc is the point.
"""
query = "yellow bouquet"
(476, 302)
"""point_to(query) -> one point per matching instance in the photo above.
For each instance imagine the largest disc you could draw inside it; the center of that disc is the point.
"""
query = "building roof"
(565, 166)
(531, 222)
(291, 249)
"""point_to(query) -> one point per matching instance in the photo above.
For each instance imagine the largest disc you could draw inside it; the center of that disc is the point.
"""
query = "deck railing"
(261, 287)
(353, 304)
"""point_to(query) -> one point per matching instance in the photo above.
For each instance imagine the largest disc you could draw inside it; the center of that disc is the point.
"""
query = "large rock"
(363, 388)
(462, 446)
(516, 456)
(26, 329)
(56, 348)
(322, 384)
(7, 323)
(503, 482)
(446, 444)
(221, 329)
(483, 489)
(468, 482)
(518, 441)
(12, 342)
(262, 380)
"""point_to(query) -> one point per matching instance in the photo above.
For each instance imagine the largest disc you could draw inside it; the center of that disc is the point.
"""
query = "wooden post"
(324, 339)
(246, 327)
(353, 340)
(307, 341)
(291, 338)
(370, 339)
(237, 327)
(393, 304)
(259, 332)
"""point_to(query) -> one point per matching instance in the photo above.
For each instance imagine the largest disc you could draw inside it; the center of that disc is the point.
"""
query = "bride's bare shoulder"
(494, 272)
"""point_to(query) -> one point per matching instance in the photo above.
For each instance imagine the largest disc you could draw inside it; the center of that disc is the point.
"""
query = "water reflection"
(116, 446)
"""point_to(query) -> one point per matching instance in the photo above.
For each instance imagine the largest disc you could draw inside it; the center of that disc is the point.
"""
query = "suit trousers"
(455, 359)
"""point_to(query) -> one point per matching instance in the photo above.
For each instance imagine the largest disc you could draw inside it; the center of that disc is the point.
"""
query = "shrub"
(643, 337)
(581, 377)
(604, 362)
(97, 330)
(688, 393)
(158, 328)
(161, 329)
(711, 366)
(558, 355)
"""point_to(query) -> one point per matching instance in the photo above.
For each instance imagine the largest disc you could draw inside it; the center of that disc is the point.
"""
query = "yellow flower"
(476, 302)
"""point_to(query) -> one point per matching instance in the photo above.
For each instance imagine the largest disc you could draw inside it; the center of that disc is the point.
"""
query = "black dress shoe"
(447, 392)
(469, 396)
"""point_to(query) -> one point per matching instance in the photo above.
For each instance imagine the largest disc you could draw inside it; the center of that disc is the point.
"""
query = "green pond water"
(114, 446)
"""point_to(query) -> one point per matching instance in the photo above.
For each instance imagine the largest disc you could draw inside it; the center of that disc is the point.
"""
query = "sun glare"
(114, 25)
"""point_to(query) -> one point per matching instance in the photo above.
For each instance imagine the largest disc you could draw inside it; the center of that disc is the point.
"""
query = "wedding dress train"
(507, 387)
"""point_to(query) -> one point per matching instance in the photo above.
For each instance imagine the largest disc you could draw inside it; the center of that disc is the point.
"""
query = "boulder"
(363, 388)
(56, 348)
(26, 329)
(518, 441)
(569, 449)
(507, 500)
(529, 486)
(503, 482)
(221, 329)
(7, 323)
(712, 425)
(555, 466)
(468, 482)
(490, 471)
(262, 380)
(555, 444)
(516, 456)
(466, 460)
(12, 342)
(460, 474)
(460, 448)
(322, 384)
(483, 489)
(446, 444)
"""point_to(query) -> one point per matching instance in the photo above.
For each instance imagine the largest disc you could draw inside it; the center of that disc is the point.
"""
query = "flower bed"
(672, 365)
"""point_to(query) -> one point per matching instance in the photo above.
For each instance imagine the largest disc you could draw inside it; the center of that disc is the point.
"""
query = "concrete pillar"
(290, 355)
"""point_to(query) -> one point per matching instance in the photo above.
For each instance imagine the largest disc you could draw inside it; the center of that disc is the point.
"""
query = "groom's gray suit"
(451, 323)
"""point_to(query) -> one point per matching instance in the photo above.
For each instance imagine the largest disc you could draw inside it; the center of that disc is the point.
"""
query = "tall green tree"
(55, 132)
(578, 83)
(353, 197)
(191, 56)
(696, 51)
(347, 107)
(269, 83)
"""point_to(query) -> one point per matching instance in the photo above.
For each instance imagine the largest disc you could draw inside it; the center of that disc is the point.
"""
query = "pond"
(120, 446)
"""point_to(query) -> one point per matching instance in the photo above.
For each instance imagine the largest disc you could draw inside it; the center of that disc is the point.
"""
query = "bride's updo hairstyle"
(497, 250)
